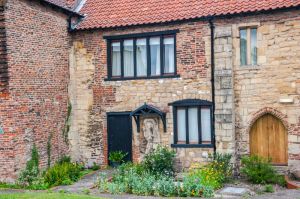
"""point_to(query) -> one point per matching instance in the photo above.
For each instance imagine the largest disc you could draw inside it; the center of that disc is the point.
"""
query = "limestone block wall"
(224, 113)
(262, 89)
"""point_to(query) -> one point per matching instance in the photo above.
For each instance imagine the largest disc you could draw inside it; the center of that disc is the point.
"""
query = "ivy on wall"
(67, 125)
(49, 149)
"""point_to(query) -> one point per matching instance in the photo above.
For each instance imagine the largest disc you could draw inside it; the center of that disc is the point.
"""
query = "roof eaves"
(61, 8)
(233, 14)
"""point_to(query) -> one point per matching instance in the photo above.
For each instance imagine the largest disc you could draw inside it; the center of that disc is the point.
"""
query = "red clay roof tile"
(118, 13)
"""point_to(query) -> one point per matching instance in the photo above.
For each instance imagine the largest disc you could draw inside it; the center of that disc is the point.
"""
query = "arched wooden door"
(268, 138)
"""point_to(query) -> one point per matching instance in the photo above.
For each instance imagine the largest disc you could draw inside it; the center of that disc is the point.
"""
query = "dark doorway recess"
(119, 131)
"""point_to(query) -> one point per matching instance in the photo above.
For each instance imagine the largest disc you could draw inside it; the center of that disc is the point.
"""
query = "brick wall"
(3, 60)
(36, 107)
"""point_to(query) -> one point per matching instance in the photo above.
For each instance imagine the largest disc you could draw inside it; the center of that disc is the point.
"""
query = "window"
(192, 123)
(139, 56)
(248, 46)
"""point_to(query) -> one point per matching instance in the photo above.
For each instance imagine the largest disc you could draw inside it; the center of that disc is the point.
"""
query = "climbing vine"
(49, 149)
(67, 125)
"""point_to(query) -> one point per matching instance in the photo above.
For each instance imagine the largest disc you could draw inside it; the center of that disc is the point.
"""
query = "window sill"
(192, 145)
(248, 67)
(141, 78)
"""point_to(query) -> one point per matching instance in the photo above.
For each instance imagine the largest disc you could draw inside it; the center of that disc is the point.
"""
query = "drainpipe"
(212, 44)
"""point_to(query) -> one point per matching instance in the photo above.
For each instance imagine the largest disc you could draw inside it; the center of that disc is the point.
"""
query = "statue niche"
(150, 137)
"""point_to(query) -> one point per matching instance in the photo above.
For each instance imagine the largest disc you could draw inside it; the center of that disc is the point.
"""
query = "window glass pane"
(141, 57)
(155, 55)
(116, 59)
(169, 55)
(181, 127)
(253, 46)
(193, 126)
(243, 46)
(206, 125)
(128, 58)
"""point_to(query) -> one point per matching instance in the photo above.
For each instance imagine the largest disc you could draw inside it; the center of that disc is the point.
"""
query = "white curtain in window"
(206, 124)
(169, 55)
(116, 59)
(243, 47)
(155, 55)
(128, 58)
(141, 57)
(193, 125)
(253, 46)
(181, 127)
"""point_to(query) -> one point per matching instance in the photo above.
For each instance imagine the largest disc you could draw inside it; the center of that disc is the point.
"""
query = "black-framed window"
(192, 123)
(141, 56)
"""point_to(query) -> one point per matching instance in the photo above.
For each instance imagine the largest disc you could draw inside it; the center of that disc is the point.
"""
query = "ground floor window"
(192, 123)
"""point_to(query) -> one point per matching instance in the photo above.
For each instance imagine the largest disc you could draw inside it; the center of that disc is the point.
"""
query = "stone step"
(232, 192)
(283, 170)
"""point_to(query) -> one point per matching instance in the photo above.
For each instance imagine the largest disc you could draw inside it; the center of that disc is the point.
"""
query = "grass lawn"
(45, 196)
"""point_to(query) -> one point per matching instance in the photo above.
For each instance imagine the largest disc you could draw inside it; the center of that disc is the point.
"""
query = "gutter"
(212, 44)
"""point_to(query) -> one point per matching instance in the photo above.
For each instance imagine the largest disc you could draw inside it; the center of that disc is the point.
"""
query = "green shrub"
(62, 174)
(64, 159)
(160, 161)
(117, 156)
(95, 166)
(259, 170)
(165, 186)
(269, 188)
(221, 162)
(193, 186)
(31, 172)
(136, 179)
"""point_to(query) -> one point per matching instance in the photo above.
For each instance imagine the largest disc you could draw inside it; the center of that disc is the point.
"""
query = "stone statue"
(151, 136)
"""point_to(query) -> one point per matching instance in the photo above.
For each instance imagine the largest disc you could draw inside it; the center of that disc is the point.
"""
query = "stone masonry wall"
(263, 88)
(36, 107)
(90, 128)
(242, 94)
(224, 113)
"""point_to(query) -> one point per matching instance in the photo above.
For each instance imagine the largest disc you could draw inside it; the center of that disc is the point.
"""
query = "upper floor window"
(192, 123)
(248, 46)
(139, 56)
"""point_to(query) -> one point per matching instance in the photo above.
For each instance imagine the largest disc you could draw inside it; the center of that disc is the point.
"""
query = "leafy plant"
(221, 163)
(160, 161)
(269, 188)
(31, 172)
(193, 186)
(165, 186)
(95, 167)
(64, 159)
(62, 174)
(117, 156)
(259, 170)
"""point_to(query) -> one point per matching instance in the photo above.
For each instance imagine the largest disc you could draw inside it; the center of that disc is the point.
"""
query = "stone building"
(195, 76)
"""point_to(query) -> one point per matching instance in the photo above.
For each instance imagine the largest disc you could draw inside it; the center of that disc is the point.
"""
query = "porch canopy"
(148, 110)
